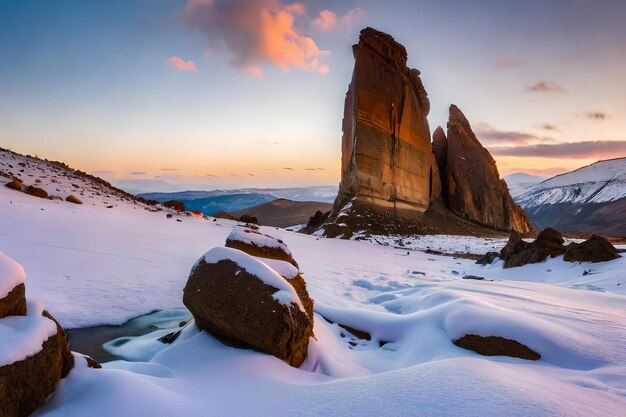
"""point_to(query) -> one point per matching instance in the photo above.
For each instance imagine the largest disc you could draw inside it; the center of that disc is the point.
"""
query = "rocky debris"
(595, 249)
(245, 303)
(387, 158)
(496, 346)
(174, 204)
(223, 215)
(316, 221)
(253, 242)
(14, 184)
(14, 303)
(549, 243)
(473, 277)
(35, 191)
(474, 189)
(41, 356)
(488, 258)
(73, 199)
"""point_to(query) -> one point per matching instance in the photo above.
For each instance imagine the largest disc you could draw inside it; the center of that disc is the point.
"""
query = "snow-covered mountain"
(520, 183)
(591, 199)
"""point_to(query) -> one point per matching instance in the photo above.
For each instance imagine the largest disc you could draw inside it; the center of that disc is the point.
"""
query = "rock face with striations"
(474, 189)
(387, 158)
(393, 180)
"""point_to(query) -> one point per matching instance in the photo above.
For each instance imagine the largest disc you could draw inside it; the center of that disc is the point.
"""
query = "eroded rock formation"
(393, 180)
(387, 158)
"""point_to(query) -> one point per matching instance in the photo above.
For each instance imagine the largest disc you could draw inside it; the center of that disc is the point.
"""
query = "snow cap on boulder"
(12, 290)
(253, 242)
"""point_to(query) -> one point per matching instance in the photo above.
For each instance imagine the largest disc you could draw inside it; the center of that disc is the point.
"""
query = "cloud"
(211, 175)
(585, 149)
(138, 173)
(314, 169)
(256, 33)
(505, 62)
(596, 115)
(489, 135)
(545, 87)
(252, 175)
(327, 20)
(287, 168)
(168, 169)
(548, 126)
(183, 65)
(268, 142)
(103, 172)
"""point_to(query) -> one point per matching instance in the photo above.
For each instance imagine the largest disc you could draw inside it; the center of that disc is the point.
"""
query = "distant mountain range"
(211, 202)
(284, 213)
(591, 199)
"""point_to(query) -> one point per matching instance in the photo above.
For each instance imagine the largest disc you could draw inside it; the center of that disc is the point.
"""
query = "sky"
(203, 94)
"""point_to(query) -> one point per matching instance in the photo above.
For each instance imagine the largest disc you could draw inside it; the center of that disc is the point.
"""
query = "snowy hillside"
(600, 182)
(92, 265)
(520, 183)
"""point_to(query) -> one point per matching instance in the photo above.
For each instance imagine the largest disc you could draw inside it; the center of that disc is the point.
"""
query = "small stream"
(93, 341)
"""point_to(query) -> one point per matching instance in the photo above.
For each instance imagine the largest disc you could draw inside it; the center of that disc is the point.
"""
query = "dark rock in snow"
(595, 249)
(549, 243)
(487, 258)
(496, 346)
(251, 241)
(73, 199)
(14, 184)
(14, 304)
(36, 191)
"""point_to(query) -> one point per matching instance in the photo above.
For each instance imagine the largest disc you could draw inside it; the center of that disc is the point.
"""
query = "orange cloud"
(257, 32)
(327, 20)
(183, 65)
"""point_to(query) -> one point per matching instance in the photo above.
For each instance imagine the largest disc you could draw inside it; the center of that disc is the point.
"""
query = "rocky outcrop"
(393, 180)
(36, 355)
(496, 346)
(245, 303)
(474, 189)
(517, 252)
(14, 184)
(595, 249)
(73, 199)
(387, 158)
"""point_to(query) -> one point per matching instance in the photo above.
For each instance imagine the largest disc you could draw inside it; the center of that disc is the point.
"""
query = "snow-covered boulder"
(250, 240)
(12, 290)
(34, 353)
(245, 303)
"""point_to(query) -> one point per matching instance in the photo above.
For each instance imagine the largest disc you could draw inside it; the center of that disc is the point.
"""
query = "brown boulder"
(25, 384)
(474, 189)
(496, 346)
(14, 304)
(595, 249)
(251, 241)
(14, 184)
(245, 303)
(549, 243)
(36, 191)
(73, 199)
(515, 245)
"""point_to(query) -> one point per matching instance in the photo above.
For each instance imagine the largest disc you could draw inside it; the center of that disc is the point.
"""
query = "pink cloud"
(257, 32)
(183, 65)
(509, 62)
(327, 20)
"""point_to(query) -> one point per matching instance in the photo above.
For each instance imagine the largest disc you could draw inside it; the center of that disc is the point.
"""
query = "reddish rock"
(496, 346)
(549, 243)
(224, 215)
(14, 184)
(36, 191)
(474, 188)
(14, 304)
(244, 310)
(387, 157)
(595, 249)
(255, 243)
(25, 384)
(73, 199)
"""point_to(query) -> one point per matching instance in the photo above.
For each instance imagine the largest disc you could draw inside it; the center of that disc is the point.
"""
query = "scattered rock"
(245, 303)
(14, 184)
(595, 249)
(73, 199)
(488, 258)
(175, 204)
(36, 191)
(549, 243)
(170, 337)
(496, 346)
(224, 215)
(474, 277)
(249, 219)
